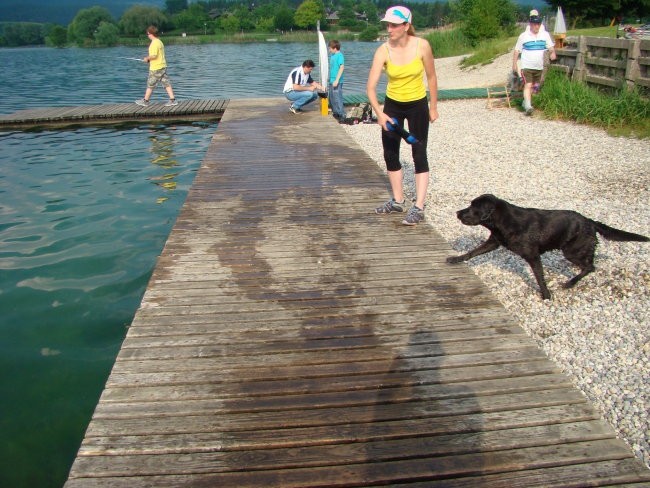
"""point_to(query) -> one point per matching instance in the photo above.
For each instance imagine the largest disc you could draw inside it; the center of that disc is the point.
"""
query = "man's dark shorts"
(532, 75)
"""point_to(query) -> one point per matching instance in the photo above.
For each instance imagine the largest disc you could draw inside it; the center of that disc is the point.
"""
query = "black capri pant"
(417, 115)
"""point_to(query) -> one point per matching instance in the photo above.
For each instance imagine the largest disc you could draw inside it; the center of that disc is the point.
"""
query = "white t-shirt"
(297, 77)
(532, 48)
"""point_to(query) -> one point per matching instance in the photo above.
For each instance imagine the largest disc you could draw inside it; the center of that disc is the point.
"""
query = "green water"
(83, 216)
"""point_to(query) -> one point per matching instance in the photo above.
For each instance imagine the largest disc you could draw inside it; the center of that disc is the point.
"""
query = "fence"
(613, 63)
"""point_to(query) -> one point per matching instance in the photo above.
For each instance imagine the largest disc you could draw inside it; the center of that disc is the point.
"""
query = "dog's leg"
(583, 258)
(583, 272)
(490, 245)
(538, 271)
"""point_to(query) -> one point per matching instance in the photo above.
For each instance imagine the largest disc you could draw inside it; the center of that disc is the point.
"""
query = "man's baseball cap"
(397, 15)
(534, 17)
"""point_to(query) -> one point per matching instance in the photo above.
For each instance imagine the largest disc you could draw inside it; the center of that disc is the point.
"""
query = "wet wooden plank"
(188, 110)
(291, 337)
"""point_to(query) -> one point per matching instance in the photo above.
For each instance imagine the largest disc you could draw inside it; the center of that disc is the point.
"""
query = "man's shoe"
(142, 102)
(529, 111)
(294, 110)
(390, 206)
(171, 103)
(414, 216)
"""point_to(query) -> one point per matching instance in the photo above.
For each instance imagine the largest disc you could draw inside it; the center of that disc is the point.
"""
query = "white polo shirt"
(297, 77)
(532, 48)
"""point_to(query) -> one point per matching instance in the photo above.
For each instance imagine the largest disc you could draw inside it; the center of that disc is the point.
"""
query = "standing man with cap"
(406, 59)
(531, 45)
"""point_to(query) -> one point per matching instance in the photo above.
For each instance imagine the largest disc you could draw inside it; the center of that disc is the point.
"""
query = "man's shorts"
(158, 76)
(532, 75)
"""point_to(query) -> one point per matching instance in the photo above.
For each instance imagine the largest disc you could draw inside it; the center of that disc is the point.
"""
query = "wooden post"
(579, 68)
(633, 68)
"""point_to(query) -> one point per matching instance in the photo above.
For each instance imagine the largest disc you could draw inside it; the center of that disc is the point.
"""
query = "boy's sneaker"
(414, 216)
(171, 103)
(390, 206)
(529, 111)
(294, 110)
(142, 102)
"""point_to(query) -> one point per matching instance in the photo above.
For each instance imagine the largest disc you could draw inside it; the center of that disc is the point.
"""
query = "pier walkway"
(112, 114)
(289, 337)
(157, 112)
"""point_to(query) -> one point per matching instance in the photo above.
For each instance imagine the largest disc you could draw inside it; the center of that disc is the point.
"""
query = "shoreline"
(598, 332)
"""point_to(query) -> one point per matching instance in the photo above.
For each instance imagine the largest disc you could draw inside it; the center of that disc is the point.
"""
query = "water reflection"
(162, 155)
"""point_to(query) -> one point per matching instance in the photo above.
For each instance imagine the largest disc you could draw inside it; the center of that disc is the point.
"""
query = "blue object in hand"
(394, 126)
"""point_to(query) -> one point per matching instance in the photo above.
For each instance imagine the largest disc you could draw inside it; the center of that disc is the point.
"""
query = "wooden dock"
(289, 337)
(118, 113)
(156, 112)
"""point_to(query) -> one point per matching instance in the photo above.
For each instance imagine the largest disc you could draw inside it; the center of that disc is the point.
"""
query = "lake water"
(40, 77)
(83, 215)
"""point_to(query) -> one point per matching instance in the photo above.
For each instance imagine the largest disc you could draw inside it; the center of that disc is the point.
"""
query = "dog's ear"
(487, 207)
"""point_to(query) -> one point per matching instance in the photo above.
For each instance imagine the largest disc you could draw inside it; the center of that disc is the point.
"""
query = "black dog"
(530, 232)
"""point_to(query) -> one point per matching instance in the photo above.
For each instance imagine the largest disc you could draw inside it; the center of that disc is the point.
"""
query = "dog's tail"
(612, 234)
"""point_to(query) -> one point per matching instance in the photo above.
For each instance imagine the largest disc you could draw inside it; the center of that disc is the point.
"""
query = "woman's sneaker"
(390, 206)
(414, 216)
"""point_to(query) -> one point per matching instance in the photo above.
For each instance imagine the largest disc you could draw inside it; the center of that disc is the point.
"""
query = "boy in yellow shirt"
(157, 69)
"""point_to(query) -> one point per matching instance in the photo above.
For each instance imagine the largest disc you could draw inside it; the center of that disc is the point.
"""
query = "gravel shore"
(597, 332)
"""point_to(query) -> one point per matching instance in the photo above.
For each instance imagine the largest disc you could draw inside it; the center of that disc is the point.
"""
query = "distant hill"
(62, 11)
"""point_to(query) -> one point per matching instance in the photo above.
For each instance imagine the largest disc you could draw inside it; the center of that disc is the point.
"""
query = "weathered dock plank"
(118, 113)
(289, 337)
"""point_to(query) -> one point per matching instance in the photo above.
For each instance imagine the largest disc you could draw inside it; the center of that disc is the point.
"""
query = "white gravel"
(597, 332)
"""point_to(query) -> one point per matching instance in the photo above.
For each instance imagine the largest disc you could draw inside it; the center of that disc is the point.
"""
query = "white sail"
(560, 26)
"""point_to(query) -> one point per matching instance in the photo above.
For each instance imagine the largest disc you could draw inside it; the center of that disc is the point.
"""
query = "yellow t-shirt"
(406, 81)
(156, 48)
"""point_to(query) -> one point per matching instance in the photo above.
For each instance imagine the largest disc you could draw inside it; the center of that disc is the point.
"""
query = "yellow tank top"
(406, 81)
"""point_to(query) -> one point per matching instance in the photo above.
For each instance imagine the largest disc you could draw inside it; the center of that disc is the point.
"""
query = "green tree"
(599, 12)
(485, 19)
(245, 17)
(264, 25)
(420, 21)
(438, 13)
(57, 36)
(309, 13)
(369, 34)
(107, 34)
(283, 19)
(136, 19)
(192, 19)
(83, 27)
(481, 22)
(22, 34)
(229, 23)
(370, 9)
(347, 16)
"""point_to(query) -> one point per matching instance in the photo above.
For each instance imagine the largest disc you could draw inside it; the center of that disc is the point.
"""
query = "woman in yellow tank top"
(406, 60)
